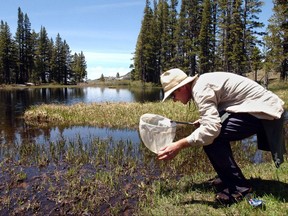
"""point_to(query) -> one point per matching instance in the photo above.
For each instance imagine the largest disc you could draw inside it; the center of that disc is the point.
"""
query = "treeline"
(210, 35)
(33, 57)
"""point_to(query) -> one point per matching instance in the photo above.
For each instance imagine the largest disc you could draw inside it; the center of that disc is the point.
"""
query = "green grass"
(114, 115)
(190, 195)
(176, 187)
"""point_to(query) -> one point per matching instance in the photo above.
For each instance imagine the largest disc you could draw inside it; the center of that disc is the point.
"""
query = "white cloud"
(96, 72)
(104, 57)
(108, 64)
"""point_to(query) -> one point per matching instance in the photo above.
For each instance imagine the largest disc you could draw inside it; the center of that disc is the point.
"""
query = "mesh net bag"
(156, 131)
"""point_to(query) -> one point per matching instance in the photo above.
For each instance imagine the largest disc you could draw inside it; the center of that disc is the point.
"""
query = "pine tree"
(57, 64)
(6, 54)
(237, 55)
(79, 67)
(172, 31)
(251, 34)
(144, 58)
(29, 44)
(33, 75)
(83, 66)
(20, 42)
(43, 56)
(277, 39)
(187, 35)
(224, 48)
(67, 73)
(256, 59)
(161, 32)
(206, 51)
(102, 78)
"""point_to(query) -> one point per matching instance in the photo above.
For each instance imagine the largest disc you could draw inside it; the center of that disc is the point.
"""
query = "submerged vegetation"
(121, 178)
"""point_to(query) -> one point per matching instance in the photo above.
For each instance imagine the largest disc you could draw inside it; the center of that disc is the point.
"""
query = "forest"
(31, 57)
(202, 36)
(198, 36)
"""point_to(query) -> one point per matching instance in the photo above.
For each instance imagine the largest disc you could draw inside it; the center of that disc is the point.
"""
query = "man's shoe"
(226, 198)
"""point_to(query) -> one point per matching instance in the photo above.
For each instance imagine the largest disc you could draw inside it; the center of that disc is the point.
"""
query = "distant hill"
(124, 77)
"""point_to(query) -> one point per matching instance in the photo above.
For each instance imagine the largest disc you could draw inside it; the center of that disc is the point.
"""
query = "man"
(231, 107)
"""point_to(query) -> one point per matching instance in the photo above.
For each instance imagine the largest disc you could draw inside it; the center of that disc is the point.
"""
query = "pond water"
(14, 102)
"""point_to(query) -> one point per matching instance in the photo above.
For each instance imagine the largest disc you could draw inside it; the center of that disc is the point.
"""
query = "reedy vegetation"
(179, 186)
(118, 115)
(115, 115)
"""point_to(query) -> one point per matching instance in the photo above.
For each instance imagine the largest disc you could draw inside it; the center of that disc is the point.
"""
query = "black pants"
(237, 126)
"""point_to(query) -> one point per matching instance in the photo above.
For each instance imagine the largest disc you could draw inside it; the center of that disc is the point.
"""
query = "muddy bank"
(62, 189)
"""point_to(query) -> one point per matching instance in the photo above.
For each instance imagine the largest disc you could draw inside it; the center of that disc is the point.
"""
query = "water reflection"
(86, 134)
(249, 146)
(14, 102)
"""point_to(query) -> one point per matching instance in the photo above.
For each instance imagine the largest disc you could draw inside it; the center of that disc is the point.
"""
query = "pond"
(75, 170)
(14, 103)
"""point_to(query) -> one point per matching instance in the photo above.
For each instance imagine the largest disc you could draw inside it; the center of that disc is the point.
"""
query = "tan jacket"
(218, 91)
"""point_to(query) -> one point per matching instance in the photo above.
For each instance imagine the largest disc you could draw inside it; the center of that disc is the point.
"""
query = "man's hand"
(171, 150)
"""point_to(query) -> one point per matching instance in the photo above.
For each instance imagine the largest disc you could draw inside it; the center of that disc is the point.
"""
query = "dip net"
(156, 131)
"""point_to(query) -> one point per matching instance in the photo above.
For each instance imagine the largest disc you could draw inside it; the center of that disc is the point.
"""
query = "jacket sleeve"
(210, 122)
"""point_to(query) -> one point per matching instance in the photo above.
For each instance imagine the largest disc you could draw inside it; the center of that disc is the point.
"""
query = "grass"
(190, 196)
(114, 115)
(117, 178)
(95, 178)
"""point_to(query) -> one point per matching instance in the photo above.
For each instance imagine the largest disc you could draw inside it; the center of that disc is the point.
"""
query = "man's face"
(182, 94)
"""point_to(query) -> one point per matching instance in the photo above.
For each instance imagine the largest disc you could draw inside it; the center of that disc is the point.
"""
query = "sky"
(105, 30)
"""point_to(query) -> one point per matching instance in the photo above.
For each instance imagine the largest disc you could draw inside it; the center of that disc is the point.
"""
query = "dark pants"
(236, 127)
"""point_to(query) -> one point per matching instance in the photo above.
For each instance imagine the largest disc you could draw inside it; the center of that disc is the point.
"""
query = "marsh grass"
(117, 115)
(113, 115)
(104, 177)
(94, 177)
(76, 177)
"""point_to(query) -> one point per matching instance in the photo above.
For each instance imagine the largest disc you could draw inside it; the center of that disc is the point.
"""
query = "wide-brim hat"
(174, 79)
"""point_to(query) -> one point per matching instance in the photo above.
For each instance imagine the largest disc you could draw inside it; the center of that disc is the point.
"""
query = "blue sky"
(105, 30)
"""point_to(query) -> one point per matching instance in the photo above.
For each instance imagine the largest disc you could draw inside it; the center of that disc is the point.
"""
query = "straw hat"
(174, 79)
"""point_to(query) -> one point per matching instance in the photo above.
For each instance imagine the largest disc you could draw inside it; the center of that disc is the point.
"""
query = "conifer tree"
(144, 59)
(256, 58)
(206, 51)
(251, 31)
(43, 56)
(79, 68)
(277, 39)
(6, 54)
(188, 33)
(66, 59)
(29, 44)
(31, 56)
(237, 55)
(172, 31)
(57, 64)
(224, 48)
(33, 75)
(83, 66)
(20, 42)
(163, 46)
